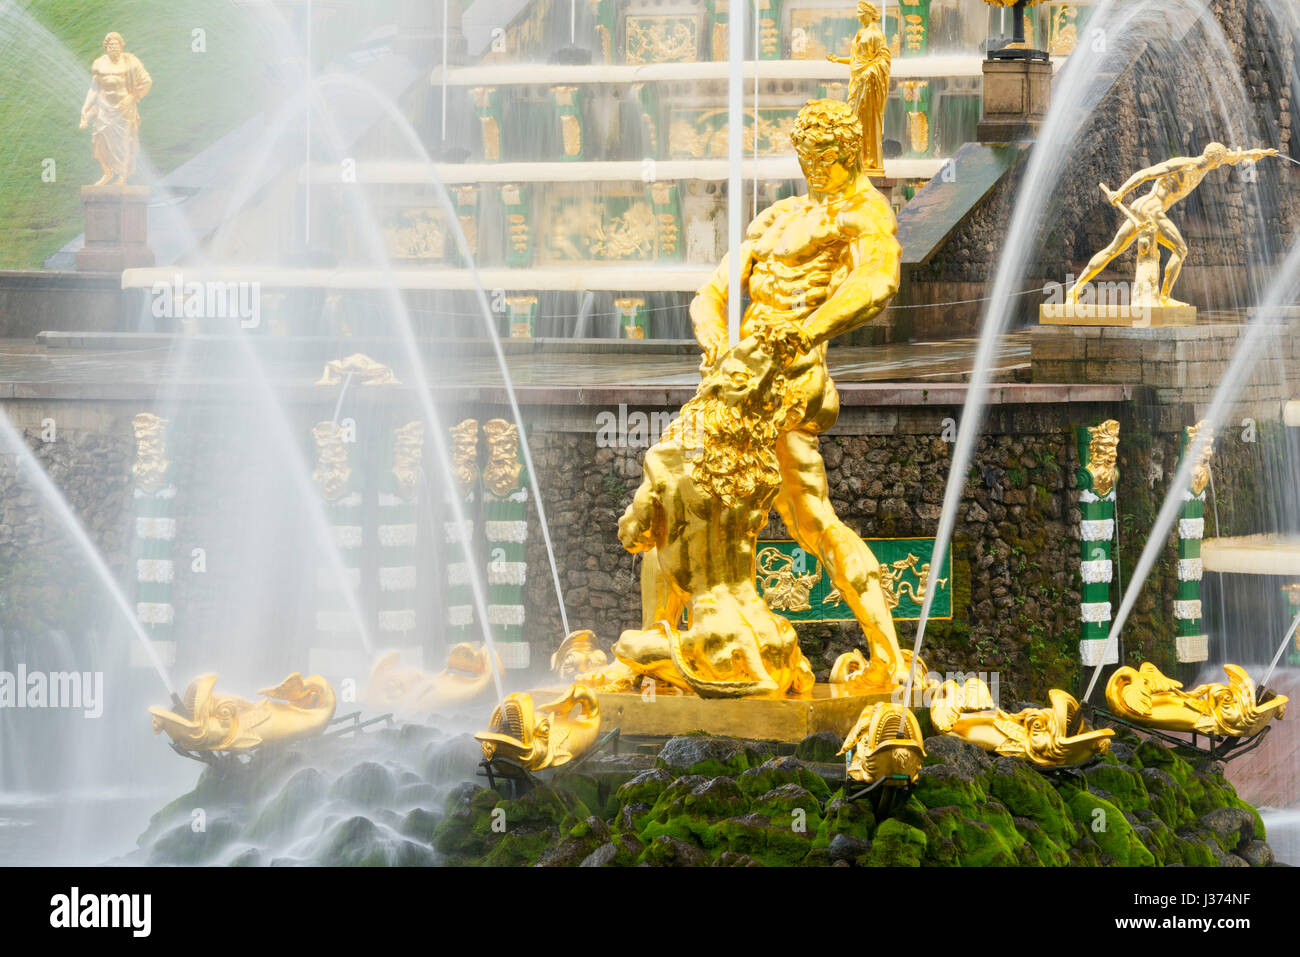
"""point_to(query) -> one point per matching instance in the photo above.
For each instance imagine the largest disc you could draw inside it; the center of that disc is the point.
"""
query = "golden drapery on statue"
(814, 267)
(118, 82)
(869, 65)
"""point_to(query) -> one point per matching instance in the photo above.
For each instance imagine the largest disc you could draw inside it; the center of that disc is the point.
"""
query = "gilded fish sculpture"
(1147, 697)
(298, 707)
(410, 691)
(542, 736)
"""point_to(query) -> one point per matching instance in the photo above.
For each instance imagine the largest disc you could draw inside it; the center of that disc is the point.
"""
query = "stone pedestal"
(763, 719)
(117, 229)
(1017, 94)
(1108, 314)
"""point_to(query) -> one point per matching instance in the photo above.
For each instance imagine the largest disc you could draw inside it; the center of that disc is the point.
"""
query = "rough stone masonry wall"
(1016, 548)
(1150, 114)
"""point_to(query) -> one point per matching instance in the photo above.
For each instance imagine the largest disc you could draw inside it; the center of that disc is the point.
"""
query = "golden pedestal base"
(759, 719)
(1092, 314)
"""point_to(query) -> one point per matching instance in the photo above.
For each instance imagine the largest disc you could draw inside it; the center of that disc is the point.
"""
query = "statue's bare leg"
(1123, 239)
(1171, 239)
(804, 505)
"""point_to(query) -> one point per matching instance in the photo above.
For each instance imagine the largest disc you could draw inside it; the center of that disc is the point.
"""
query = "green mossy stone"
(1121, 781)
(522, 847)
(1111, 830)
(854, 818)
(300, 793)
(1046, 852)
(941, 786)
(1028, 794)
(717, 798)
(769, 845)
(823, 747)
(897, 845)
(645, 788)
(775, 772)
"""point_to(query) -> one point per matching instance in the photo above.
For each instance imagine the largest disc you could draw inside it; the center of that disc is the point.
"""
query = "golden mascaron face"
(823, 167)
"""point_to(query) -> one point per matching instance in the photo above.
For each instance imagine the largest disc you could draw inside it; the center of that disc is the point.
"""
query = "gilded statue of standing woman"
(868, 62)
(118, 82)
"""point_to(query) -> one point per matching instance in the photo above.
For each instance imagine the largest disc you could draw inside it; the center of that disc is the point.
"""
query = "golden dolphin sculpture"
(1149, 698)
(542, 736)
(1050, 736)
(411, 691)
(885, 741)
(298, 707)
(853, 672)
(578, 653)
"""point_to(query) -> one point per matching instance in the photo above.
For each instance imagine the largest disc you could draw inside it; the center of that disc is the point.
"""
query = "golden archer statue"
(815, 267)
(118, 82)
(869, 62)
(1148, 215)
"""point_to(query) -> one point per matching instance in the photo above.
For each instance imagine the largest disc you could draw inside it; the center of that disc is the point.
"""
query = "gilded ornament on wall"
(150, 468)
(1103, 452)
(333, 471)
(503, 471)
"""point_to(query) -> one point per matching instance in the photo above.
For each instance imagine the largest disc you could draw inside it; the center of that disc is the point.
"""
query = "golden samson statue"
(814, 267)
(118, 82)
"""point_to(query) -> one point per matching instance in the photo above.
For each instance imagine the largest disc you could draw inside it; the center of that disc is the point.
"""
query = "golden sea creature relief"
(542, 736)
(1149, 698)
(464, 454)
(296, 708)
(1201, 470)
(782, 587)
(578, 653)
(886, 744)
(365, 370)
(410, 691)
(503, 472)
(333, 470)
(1103, 451)
(1051, 736)
(853, 672)
(150, 468)
(408, 454)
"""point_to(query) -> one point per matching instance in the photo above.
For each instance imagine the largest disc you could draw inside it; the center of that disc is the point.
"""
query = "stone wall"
(1016, 547)
(1015, 564)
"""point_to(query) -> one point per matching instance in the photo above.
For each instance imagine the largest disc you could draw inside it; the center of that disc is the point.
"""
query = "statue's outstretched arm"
(870, 285)
(1148, 174)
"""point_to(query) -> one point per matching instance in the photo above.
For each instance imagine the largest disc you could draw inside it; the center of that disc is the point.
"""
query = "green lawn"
(196, 98)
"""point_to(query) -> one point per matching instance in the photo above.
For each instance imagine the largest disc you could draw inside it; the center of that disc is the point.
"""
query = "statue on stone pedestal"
(1147, 217)
(868, 62)
(118, 83)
